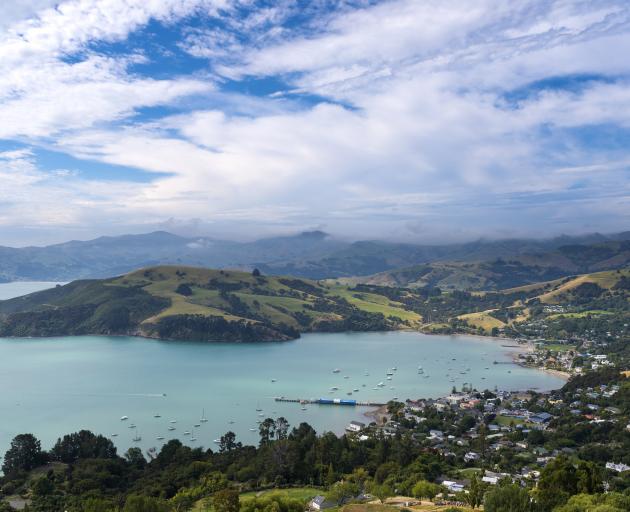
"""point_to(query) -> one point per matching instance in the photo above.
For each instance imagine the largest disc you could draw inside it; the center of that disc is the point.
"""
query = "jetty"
(329, 401)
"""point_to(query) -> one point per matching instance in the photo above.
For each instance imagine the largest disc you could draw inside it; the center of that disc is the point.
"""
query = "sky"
(424, 121)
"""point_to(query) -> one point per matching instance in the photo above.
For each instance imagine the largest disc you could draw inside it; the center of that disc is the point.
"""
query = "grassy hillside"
(499, 274)
(176, 302)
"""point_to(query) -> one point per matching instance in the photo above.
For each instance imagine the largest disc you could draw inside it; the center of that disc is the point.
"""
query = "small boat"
(389, 378)
(114, 435)
(187, 432)
(171, 428)
(346, 377)
(124, 418)
(203, 416)
(356, 390)
(217, 441)
(258, 409)
(160, 438)
(261, 414)
(394, 368)
(334, 388)
(197, 425)
(192, 436)
(273, 380)
(380, 384)
(426, 376)
(231, 422)
(303, 408)
(390, 373)
(157, 416)
(132, 426)
(173, 421)
(253, 429)
(349, 393)
(336, 370)
(137, 438)
(395, 398)
(363, 385)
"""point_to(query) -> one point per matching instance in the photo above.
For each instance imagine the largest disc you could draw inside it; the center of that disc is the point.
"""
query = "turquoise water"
(55, 386)
(10, 290)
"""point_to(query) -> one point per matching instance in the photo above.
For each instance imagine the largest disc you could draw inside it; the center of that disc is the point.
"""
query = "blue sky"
(423, 121)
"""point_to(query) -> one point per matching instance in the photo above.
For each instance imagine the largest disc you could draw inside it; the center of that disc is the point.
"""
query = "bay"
(18, 288)
(56, 386)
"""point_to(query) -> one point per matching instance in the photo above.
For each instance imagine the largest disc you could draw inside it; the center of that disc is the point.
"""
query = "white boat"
(124, 418)
(197, 425)
(114, 435)
(137, 438)
(203, 416)
(160, 438)
(380, 384)
(356, 390)
(173, 421)
(303, 408)
(217, 441)
(394, 368)
(187, 432)
(253, 429)
(132, 426)
(171, 428)
(192, 436)
(334, 388)
(336, 370)
(389, 377)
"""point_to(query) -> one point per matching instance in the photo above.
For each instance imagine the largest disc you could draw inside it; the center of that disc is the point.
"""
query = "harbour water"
(55, 386)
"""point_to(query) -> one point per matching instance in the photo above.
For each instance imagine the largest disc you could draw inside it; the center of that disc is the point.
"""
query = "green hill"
(499, 273)
(187, 303)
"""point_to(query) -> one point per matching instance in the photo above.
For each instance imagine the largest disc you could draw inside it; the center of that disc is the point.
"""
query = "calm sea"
(60, 385)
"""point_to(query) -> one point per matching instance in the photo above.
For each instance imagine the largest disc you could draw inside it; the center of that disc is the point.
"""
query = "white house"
(355, 426)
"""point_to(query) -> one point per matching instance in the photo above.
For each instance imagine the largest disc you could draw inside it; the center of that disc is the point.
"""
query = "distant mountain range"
(316, 255)
(509, 272)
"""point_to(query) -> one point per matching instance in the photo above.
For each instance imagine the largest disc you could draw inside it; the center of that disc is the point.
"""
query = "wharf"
(329, 401)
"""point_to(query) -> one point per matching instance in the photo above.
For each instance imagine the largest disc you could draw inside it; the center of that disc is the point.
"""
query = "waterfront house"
(355, 426)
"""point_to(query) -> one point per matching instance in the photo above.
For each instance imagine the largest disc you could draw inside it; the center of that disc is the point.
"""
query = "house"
(320, 503)
(471, 456)
(540, 417)
(619, 468)
(453, 486)
(355, 426)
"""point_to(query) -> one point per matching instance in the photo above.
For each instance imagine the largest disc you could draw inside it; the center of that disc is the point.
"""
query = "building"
(355, 426)
(320, 503)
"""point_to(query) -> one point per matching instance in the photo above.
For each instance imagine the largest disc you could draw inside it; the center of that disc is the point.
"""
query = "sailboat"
(192, 436)
(137, 438)
(203, 416)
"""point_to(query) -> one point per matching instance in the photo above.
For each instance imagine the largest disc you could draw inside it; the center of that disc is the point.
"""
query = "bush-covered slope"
(199, 304)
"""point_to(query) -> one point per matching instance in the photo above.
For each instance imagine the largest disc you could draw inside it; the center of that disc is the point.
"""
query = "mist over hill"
(312, 254)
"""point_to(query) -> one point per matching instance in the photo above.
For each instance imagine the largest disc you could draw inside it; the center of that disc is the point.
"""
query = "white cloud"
(427, 143)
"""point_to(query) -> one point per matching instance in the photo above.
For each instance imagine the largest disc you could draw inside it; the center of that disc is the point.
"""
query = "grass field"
(558, 347)
(482, 319)
(605, 280)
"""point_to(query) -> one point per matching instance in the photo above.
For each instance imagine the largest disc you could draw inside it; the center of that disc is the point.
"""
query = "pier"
(329, 401)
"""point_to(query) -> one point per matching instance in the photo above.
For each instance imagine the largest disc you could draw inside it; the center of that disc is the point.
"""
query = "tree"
(144, 504)
(256, 272)
(267, 430)
(135, 458)
(382, 491)
(24, 454)
(184, 289)
(342, 492)
(558, 482)
(226, 501)
(424, 489)
(476, 491)
(281, 428)
(227, 443)
(507, 498)
(83, 445)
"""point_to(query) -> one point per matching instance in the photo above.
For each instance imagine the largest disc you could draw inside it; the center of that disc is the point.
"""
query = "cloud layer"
(420, 120)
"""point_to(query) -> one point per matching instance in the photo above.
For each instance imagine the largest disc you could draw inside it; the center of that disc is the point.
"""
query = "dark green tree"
(24, 454)
(226, 501)
(507, 498)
